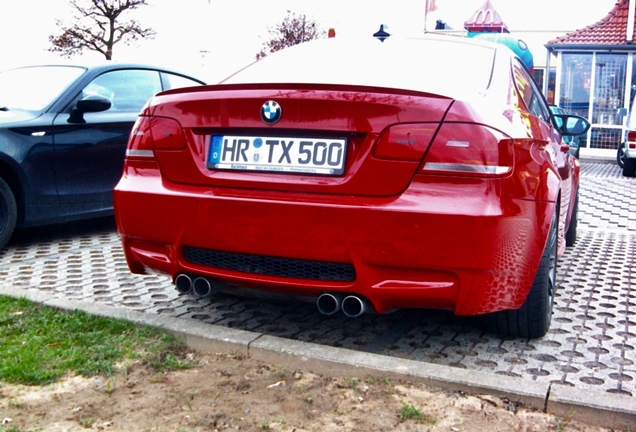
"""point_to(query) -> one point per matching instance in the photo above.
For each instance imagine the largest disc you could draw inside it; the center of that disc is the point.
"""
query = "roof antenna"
(382, 33)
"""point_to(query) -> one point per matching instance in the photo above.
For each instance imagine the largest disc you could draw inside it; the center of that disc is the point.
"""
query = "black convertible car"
(63, 135)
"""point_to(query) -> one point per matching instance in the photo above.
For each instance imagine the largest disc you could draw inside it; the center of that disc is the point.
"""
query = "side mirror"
(571, 124)
(91, 103)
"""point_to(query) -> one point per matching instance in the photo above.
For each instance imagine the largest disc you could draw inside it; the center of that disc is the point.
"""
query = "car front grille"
(271, 266)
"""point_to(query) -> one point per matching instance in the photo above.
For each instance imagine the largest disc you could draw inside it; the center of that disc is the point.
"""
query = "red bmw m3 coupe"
(365, 175)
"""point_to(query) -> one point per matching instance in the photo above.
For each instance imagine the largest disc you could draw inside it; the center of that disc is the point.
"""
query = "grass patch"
(12, 429)
(409, 412)
(40, 344)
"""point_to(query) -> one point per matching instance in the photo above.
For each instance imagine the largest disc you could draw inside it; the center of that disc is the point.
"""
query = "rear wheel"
(532, 319)
(629, 167)
(620, 155)
(8, 213)
(570, 235)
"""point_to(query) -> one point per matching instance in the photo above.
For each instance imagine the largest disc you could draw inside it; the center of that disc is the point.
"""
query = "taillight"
(631, 137)
(406, 142)
(140, 141)
(154, 133)
(167, 134)
(470, 149)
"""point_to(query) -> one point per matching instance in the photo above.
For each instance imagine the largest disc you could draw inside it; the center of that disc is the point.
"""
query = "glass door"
(592, 85)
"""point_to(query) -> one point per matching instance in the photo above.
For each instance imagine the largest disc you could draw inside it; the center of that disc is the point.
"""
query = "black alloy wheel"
(8, 213)
(620, 155)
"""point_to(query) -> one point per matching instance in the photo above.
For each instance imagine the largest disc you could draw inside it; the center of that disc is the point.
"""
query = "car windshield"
(413, 64)
(34, 88)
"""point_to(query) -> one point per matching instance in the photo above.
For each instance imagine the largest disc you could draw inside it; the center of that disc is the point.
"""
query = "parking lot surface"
(591, 344)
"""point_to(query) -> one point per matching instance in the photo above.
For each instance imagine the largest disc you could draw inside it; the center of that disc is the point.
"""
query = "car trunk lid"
(352, 140)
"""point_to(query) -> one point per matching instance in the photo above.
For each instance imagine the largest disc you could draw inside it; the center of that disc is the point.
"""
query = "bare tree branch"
(294, 29)
(98, 27)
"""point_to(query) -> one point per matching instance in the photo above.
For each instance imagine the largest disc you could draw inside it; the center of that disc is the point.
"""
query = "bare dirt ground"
(225, 392)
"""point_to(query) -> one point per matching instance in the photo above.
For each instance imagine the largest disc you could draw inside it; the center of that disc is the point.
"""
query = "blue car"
(63, 135)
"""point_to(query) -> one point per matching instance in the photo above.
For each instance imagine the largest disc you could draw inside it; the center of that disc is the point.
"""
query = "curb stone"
(330, 360)
(592, 407)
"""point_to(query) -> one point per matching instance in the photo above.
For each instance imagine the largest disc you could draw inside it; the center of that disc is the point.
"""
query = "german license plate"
(290, 155)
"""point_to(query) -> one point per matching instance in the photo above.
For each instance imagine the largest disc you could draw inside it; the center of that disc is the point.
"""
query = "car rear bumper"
(465, 249)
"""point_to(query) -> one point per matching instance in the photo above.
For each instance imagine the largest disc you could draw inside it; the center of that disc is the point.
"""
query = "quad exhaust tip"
(183, 284)
(329, 304)
(352, 306)
(202, 287)
(199, 286)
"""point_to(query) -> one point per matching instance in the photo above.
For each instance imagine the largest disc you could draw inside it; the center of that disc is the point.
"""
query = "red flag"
(430, 6)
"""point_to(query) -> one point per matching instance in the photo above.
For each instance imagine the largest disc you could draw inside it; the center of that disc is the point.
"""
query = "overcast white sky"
(230, 32)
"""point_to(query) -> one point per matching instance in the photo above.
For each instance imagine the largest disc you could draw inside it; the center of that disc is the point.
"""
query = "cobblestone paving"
(591, 343)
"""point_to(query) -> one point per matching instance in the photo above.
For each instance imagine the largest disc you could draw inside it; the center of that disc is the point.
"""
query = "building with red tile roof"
(596, 75)
(613, 31)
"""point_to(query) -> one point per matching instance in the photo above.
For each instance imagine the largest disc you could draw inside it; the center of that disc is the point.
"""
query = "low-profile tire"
(570, 234)
(620, 155)
(533, 318)
(8, 213)
(629, 167)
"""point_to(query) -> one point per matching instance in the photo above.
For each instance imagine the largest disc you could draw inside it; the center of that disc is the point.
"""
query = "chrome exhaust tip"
(183, 284)
(329, 304)
(202, 287)
(354, 306)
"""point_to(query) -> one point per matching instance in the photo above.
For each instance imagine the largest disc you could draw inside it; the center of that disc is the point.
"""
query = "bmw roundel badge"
(271, 112)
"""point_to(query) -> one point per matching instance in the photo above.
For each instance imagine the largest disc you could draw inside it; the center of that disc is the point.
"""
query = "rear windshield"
(35, 88)
(442, 66)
